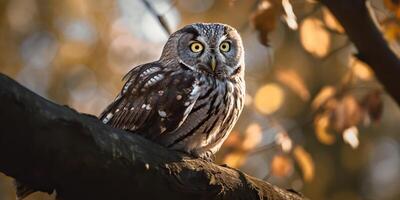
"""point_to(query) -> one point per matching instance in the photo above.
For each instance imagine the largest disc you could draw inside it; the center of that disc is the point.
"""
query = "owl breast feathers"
(191, 98)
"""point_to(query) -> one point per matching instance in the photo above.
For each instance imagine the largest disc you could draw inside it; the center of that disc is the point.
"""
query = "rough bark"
(52, 147)
(372, 47)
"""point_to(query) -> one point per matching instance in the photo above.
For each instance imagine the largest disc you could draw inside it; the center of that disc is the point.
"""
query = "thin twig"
(161, 19)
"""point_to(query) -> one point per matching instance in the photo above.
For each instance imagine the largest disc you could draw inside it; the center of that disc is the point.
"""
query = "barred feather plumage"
(178, 101)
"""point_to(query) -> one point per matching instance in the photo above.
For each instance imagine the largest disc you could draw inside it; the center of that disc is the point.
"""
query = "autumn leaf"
(234, 159)
(281, 166)
(373, 105)
(321, 126)
(305, 162)
(291, 79)
(331, 22)
(347, 113)
(360, 69)
(393, 5)
(322, 97)
(264, 19)
(314, 38)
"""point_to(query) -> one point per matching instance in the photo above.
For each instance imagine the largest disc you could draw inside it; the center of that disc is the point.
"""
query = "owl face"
(210, 48)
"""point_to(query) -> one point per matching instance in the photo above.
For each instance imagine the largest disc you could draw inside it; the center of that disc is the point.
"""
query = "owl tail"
(23, 190)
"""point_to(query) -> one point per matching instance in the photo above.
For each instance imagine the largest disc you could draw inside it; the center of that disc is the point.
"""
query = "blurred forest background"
(316, 119)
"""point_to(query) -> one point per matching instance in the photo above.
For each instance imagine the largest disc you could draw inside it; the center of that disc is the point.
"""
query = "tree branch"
(49, 147)
(372, 47)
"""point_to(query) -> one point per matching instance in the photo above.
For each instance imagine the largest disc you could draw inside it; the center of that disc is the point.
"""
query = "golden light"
(291, 79)
(324, 94)
(234, 159)
(248, 100)
(269, 98)
(350, 136)
(305, 162)
(281, 166)
(253, 136)
(314, 38)
(321, 125)
(360, 69)
(331, 21)
(284, 141)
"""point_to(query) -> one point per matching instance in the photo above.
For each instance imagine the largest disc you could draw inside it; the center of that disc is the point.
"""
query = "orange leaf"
(324, 94)
(281, 166)
(314, 38)
(290, 78)
(234, 159)
(321, 126)
(305, 162)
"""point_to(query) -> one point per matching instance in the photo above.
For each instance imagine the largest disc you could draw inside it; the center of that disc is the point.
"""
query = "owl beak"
(213, 63)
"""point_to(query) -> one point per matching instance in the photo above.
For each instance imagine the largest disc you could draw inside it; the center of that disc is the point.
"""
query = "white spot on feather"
(162, 113)
(107, 118)
(148, 107)
(154, 80)
(149, 71)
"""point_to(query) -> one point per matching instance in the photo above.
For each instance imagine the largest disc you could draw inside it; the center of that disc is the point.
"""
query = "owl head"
(211, 48)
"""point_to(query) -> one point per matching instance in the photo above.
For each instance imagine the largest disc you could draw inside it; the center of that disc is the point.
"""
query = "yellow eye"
(196, 47)
(225, 46)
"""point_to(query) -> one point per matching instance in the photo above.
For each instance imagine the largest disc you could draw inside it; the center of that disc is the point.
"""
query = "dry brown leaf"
(372, 103)
(264, 18)
(347, 113)
(360, 69)
(281, 166)
(305, 162)
(321, 126)
(314, 38)
(291, 79)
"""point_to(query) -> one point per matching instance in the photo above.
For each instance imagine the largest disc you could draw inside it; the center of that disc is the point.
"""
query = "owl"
(190, 99)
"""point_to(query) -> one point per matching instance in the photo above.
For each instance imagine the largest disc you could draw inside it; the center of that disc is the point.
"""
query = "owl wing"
(154, 100)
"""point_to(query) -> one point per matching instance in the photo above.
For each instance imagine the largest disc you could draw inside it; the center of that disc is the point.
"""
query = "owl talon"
(207, 156)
